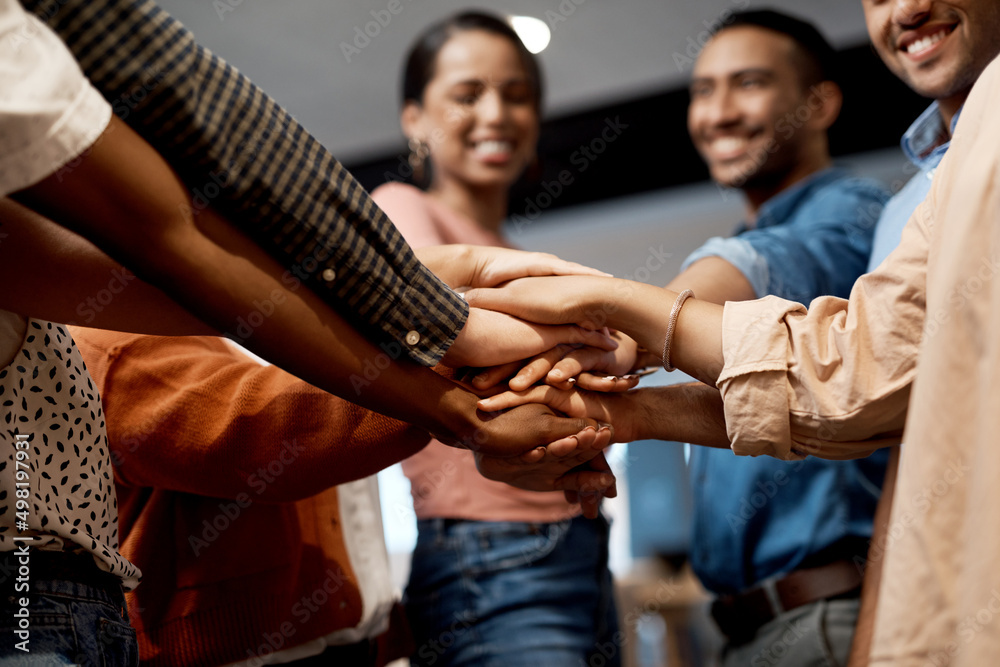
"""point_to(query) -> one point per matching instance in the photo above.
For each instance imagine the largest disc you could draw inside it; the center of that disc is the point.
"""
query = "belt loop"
(771, 591)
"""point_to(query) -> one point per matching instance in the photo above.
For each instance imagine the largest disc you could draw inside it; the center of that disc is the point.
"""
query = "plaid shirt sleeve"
(239, 151)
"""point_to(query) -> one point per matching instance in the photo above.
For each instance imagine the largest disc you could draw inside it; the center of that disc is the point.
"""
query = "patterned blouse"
(54, 455)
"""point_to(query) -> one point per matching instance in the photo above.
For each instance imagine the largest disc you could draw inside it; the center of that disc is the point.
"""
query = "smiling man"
(774, 540)
(939, 49)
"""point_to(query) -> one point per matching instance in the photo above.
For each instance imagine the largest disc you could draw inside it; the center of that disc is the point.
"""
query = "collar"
(778, 208)
(920, 141)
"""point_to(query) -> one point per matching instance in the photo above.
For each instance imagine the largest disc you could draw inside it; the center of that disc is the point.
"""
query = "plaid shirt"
(239, 151)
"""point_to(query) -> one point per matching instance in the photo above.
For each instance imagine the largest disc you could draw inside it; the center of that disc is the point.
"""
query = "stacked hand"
(535, 329)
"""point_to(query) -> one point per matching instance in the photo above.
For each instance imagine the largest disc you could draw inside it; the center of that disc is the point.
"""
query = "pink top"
(444, 480)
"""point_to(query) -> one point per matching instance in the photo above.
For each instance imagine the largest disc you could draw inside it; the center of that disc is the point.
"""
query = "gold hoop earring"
(418, 154)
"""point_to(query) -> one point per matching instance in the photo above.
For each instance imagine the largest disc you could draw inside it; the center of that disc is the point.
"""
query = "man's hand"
(530, 431)
(614, 408)
(491, 338)
(462, 265)
(580, 469)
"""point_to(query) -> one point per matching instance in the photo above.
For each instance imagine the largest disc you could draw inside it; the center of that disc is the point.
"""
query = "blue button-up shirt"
(923, 147)
(756, 518)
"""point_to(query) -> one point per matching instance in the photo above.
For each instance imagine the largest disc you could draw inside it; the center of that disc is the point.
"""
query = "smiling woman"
(471, 99)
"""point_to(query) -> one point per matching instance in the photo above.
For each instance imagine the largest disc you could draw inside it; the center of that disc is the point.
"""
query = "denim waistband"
(60, 573)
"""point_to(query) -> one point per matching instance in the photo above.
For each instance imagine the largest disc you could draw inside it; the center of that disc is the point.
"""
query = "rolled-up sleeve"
(832, 381)
(740, 253)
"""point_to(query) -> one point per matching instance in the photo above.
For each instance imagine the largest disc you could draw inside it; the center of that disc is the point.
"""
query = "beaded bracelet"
(671, 324)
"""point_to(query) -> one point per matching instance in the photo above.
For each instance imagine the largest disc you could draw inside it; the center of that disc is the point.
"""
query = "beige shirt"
(841, 379)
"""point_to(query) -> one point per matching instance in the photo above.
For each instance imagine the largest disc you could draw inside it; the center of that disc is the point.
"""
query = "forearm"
(88, 286)
(643, 313)
(126, 199)
(681, 413)
(195, 415)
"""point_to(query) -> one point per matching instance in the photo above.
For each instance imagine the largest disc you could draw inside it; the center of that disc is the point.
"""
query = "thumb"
(590, 434)
(483, 297)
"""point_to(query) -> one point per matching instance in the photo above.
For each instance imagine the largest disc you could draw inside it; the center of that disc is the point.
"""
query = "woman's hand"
(563, 366)
(585, 300)
(491, 338)
(461, 265)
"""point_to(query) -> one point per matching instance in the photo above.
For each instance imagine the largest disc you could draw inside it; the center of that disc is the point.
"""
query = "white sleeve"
(49, 111)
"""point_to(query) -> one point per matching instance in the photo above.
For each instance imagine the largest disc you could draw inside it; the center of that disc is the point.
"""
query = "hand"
(488, 266)
(580, 469)
(490, 338)
(590, 501)
(570, 363)
(614, 408)
(530, 433)
(584, 300)
(564, 366)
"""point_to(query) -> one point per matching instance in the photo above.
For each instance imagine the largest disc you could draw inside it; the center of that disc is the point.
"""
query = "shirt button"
(329, 275)
(412, 338)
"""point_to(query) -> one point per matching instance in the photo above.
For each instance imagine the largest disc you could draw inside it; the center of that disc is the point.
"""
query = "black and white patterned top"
(47, 394)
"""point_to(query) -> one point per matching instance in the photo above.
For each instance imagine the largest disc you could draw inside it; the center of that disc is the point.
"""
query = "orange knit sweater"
(223, 469)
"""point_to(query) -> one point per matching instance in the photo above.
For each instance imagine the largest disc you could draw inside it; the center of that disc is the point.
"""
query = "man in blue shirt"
(775, 540)
(784, 525)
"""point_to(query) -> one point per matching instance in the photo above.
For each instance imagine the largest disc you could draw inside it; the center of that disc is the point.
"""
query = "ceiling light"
(534, 33)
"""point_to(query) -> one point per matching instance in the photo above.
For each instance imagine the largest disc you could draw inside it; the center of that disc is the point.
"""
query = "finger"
(536, 369)
(561, 427)
(493, 376)
(590, 504)
(492, 298)
(594, 338)
(568, 445)
(572, 497)
(600, 463)
(543, 394)
(560, 267)
(607, 383)
(604, 438)
(576, 362)
(584, 481)
(535, 455)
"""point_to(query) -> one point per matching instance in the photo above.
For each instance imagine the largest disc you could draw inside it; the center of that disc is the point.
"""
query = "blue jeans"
(512, 594)
(80, 622)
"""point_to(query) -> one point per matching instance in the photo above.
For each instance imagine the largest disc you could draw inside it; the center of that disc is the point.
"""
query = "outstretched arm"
(690, 412)
(712, 279)
(794, 382)
(124, 198)
(53, 274)
(196, 415)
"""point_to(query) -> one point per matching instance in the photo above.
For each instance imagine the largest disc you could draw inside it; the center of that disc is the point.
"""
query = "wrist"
(642, 312)
(455, 420)
(632, 418)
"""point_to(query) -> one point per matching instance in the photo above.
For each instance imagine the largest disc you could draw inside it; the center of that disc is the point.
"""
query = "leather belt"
(360, 654)
(740, 616)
